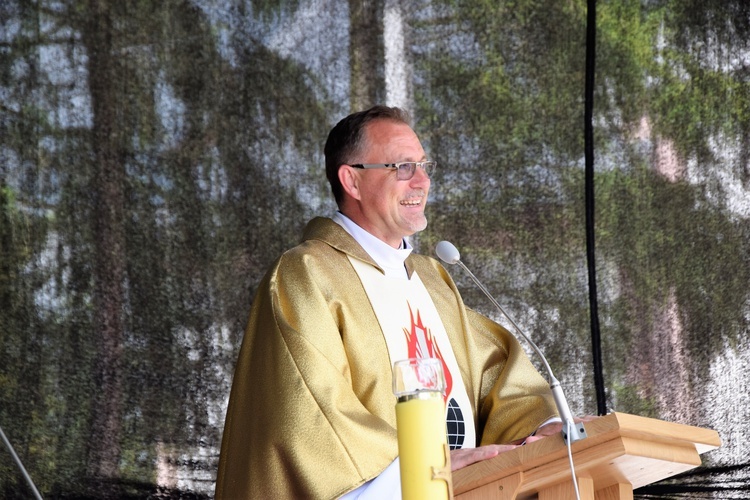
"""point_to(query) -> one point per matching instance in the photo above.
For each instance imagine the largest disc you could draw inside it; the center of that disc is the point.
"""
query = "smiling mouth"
(414, 202)
(413, 199)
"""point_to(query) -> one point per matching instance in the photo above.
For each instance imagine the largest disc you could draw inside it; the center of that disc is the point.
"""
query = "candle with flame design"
(423, 450)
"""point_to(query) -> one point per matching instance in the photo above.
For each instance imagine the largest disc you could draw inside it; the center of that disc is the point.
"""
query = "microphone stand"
(571, 431)
(20, 465)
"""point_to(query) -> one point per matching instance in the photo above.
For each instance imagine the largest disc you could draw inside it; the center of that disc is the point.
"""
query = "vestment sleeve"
(295, 426)
(515, 399)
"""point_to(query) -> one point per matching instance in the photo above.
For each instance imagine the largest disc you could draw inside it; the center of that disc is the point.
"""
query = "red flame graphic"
(421, 344)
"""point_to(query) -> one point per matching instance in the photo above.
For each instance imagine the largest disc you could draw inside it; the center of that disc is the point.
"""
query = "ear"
(349, 178)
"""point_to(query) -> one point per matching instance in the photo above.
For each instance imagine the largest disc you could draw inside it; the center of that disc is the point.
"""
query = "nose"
(420, 177)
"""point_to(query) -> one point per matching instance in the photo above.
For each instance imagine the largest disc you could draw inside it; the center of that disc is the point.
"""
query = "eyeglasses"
(404, 169)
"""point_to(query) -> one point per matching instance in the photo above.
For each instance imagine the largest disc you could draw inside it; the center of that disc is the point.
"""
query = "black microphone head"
(447, 252)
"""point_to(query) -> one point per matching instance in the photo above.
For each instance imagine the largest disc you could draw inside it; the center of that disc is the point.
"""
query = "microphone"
(571, 431)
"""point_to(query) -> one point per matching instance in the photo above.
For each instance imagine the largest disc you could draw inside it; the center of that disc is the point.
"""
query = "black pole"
(596, 343)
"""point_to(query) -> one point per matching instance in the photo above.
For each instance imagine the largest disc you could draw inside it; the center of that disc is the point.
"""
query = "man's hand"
(467, 456)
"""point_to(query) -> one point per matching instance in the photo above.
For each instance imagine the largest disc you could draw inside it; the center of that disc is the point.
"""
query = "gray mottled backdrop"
(156, 156)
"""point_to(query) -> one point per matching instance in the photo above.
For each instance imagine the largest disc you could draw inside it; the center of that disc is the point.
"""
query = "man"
(312, 413)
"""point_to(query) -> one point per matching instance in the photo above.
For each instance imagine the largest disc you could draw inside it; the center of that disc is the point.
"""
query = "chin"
(418, 226)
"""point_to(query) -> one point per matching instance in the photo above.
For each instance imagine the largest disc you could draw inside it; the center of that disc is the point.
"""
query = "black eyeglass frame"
(405, 170)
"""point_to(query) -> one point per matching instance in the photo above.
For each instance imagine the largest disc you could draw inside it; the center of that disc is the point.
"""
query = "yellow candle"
(422, 446)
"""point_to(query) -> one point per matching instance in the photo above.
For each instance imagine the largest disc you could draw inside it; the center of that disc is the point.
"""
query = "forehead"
(394, 138)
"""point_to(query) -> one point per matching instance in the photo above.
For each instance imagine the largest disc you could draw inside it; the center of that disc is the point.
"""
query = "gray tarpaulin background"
(156, 157)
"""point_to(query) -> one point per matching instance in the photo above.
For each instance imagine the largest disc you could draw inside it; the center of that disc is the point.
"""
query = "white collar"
(390, 259)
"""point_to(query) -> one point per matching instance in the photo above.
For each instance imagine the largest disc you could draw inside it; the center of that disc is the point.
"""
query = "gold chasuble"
(312, 414)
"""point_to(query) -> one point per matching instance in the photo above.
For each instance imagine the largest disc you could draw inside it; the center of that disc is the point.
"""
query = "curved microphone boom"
(571, 431)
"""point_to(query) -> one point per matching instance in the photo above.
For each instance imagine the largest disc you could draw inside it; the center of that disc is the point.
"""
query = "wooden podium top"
(620, 449)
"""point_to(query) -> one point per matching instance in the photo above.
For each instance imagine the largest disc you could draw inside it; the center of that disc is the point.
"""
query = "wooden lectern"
(621, 452)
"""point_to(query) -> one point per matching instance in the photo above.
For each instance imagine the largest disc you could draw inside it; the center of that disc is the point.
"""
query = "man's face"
(389, 208)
